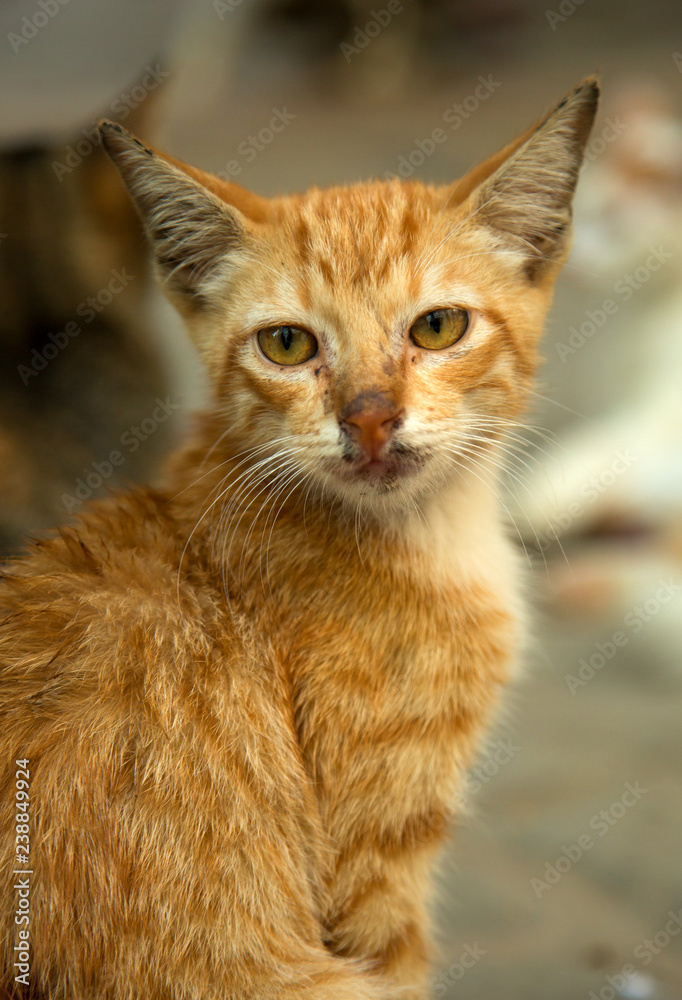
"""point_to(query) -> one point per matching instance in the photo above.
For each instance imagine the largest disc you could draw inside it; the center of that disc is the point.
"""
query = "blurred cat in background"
(612, 491)
(88, 399)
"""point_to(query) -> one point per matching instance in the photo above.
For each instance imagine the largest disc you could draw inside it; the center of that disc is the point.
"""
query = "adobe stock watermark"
(453, 117)
(623, 289)
(644, 953)
(590, 492)
(249, 149)
(599, 824)
(43, 13)
(378, 20)
(633, 622)
(677, 59)
(98, 472)
(120, 108)
(610, 132)
(22, 872)
(565, 9)
(471, 955)
(223, 7)
(499, 754)
(87, 310)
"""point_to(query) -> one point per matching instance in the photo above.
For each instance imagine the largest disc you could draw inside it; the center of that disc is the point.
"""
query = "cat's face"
(378, 336)
(369, 341)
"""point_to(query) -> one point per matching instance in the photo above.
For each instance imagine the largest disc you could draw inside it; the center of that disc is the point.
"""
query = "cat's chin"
(383, 487)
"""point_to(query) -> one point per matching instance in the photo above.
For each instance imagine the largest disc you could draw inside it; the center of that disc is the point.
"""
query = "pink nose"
(372, 428)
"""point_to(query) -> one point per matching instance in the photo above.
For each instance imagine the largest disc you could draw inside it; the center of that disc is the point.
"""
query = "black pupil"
(434, 322)
(287, 336)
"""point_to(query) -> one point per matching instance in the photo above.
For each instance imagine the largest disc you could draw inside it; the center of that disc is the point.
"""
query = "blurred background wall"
(565, 880)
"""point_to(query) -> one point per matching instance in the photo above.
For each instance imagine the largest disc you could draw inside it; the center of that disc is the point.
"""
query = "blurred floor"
(559, 934)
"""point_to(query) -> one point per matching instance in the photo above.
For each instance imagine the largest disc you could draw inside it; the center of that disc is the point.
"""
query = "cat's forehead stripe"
(356, 234)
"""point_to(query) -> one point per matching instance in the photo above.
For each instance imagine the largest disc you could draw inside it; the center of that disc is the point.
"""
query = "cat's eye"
(440, 329)
(287, 345)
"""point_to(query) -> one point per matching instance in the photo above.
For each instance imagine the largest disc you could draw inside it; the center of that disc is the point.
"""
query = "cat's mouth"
(377, 469)
(383, 471)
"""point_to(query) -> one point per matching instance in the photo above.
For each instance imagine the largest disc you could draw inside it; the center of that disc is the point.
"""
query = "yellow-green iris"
(287, 345)
(440, 329)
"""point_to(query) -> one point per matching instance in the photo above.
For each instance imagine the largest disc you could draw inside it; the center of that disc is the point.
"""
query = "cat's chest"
(403, 623)
(391, 672)
(393, 658)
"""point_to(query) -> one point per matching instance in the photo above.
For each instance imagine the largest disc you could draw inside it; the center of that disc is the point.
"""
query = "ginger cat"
(241, 709)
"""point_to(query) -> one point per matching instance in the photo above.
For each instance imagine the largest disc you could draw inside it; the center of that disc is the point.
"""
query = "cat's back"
(90, 614)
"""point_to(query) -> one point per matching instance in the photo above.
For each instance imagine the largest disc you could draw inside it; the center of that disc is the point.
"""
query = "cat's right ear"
(193, 233)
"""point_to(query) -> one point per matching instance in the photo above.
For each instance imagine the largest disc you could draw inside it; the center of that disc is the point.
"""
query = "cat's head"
(375, 338)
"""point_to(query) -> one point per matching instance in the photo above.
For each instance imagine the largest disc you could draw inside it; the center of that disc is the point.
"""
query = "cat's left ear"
(523, 194)
(192, 228)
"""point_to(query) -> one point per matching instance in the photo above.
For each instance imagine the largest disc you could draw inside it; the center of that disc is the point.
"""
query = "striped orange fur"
(248, 700)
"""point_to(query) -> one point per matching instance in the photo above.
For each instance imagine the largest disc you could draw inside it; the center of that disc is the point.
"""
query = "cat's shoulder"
(106, 537)
(114, 569)
(97, 637)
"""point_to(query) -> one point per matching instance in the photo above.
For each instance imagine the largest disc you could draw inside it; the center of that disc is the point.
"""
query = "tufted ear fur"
(524, 193)
(192, 230)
